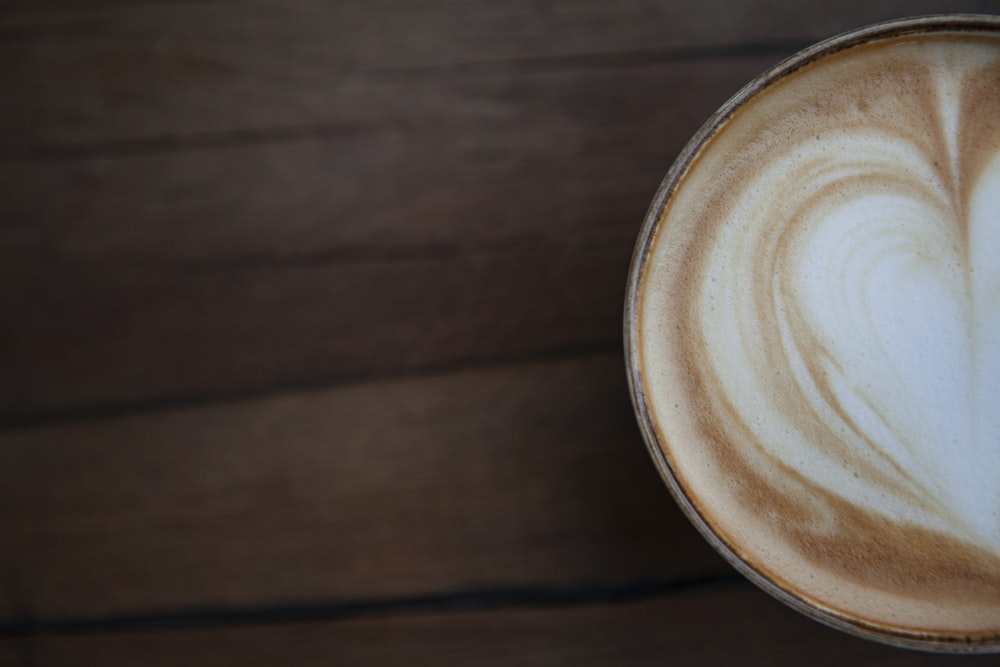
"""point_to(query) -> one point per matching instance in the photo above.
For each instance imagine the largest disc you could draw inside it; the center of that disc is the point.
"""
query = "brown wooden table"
(310, 342)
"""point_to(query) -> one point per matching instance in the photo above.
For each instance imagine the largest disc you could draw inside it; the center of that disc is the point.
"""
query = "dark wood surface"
(732, 626)
(310, 340)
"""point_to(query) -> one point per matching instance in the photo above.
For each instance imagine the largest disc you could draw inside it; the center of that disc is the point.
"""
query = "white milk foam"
(821, 309)
(907, 334)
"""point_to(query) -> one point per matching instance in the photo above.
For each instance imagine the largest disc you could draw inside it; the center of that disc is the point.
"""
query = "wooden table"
(310, 343)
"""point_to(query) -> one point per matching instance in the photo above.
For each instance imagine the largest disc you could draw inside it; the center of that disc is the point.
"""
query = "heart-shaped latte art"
(820, 334)
(881, 294)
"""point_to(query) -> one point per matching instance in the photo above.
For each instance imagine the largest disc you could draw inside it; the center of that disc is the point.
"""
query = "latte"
(813, 332)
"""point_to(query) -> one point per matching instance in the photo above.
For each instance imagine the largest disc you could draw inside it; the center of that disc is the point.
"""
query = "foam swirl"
(820, 333)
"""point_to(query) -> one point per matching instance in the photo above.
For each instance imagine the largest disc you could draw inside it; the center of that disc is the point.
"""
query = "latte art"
(850, 322)
(818, 335)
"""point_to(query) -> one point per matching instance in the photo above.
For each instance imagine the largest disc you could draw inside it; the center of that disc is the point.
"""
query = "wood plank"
(141, 277)
(524, 476)
(727, 627)
(479, 160)
(109, 71)
(83, 338)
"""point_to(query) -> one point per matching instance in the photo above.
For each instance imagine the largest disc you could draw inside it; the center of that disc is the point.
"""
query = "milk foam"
(820, 331)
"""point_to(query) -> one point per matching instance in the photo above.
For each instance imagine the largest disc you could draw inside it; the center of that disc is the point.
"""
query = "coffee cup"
(812, 331)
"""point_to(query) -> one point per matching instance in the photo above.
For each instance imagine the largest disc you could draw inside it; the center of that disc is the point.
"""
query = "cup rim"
(892, 29)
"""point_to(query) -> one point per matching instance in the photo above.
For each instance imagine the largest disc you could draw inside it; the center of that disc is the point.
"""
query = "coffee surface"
(819, 334)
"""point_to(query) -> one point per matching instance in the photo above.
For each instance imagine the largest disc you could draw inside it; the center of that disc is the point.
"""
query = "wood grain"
(112, 71)
(481, 160)
(161, 275)
(525, 476)
(136, 337)
(724, 627)
(310, 303)
(138, 176)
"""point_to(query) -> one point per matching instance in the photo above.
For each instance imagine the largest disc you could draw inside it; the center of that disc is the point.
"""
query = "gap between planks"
(436, 603)
(169, 403)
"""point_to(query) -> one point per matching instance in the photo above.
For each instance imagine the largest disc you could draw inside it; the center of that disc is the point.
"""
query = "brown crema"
(810, 327)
